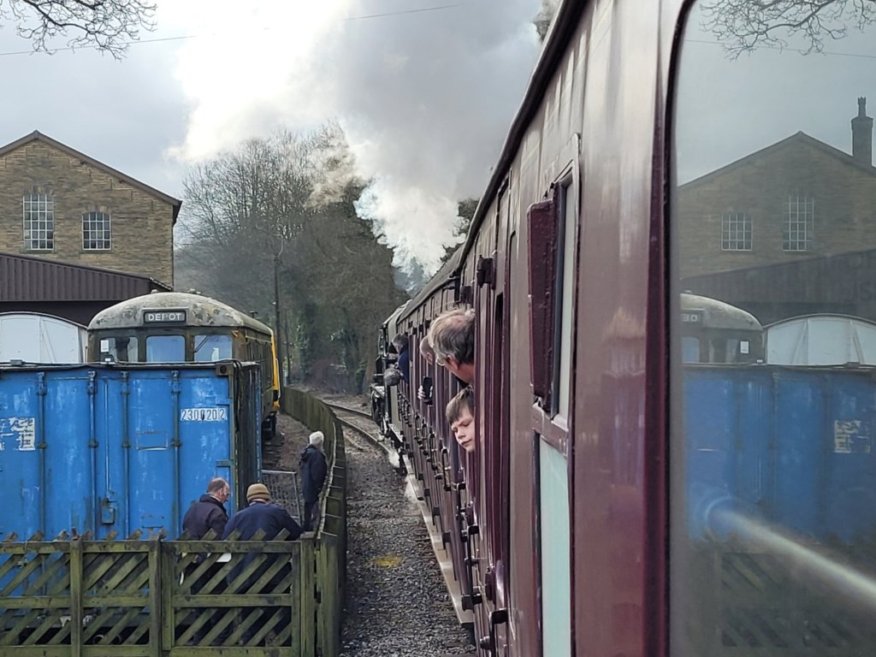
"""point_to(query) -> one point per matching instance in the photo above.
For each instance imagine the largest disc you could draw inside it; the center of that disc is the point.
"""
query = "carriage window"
(772, 462)
(120, 350)
(565, 297)
(165, 349)
(555, 537)
(210, 348)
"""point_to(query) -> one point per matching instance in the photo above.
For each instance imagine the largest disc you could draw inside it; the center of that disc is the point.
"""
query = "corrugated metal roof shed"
(844, 283)
(75, 292)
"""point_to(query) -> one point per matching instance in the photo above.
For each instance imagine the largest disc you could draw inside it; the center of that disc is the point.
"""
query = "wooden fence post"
(305, 591)
(166, 637)
(155, 599)
(76, 594)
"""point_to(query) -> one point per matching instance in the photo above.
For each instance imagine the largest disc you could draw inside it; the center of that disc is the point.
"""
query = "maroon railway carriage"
(611, 509)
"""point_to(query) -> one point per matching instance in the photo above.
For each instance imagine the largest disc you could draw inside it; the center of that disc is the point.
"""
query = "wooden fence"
(76, 597)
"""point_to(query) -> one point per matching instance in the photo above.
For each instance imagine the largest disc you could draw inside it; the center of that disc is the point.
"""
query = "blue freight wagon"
(109, 448)
(789, 446)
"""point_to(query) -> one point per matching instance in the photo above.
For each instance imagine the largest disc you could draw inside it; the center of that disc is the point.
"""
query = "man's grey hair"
(452, 336)
(217, 484)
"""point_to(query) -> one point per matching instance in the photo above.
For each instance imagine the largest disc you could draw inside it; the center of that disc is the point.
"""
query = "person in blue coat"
(261, 515)
(312, 470)
(271, 519)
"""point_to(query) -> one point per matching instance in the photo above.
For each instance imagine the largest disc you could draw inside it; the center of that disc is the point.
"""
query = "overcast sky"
(425, 90)
(730, 107)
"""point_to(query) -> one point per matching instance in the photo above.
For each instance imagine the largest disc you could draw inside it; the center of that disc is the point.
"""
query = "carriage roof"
(200, 311)
(719, 315)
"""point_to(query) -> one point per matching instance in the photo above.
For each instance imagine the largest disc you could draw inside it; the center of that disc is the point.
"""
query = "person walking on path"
(312, 470)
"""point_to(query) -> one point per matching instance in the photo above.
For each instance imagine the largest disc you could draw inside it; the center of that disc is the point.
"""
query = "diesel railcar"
(611, 507)
(176, 327)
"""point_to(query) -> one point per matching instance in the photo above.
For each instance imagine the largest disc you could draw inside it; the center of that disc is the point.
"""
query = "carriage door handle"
(497, 617)
(445, 469)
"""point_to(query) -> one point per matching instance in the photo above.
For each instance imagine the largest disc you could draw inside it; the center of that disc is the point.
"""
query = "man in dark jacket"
(312, 470)
(261, 514)
(208, 512)
(270, 519)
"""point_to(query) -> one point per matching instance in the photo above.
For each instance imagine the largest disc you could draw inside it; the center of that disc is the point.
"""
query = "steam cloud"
(424, 97)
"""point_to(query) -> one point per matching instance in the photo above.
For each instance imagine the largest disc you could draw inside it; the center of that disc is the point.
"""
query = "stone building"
(60, 204)
(797, 199)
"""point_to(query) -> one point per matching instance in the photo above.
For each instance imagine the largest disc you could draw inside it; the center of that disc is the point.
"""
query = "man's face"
(464, 430)
(462, 371)
(223, 494)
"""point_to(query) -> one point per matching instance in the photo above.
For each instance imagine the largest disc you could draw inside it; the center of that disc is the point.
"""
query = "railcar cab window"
(772, 462)
(165, 349)
(210, 348)
(121, 350)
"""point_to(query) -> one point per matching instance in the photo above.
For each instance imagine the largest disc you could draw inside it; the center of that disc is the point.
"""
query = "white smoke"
(424, 91)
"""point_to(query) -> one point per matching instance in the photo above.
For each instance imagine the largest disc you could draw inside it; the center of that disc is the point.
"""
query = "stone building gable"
(841, 190)
(141, 218)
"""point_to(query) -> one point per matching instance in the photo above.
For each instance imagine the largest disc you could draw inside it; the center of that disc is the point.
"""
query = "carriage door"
(492, 394)
(553, 246)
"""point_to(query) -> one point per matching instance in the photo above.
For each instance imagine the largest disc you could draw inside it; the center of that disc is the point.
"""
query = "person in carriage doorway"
(208, 512)
(312, 470)
(452, 338)
(404, 356)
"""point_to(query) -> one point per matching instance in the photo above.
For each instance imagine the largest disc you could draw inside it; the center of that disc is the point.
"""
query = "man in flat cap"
(271, 519)
(261, 514)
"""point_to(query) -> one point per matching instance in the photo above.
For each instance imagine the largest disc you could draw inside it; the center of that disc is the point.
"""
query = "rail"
(348, 409)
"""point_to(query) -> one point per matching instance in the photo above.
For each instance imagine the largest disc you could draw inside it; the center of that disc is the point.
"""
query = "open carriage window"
(773, 398)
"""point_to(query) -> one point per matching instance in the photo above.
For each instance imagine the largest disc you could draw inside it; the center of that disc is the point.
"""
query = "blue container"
(791, 446)
(104, 448)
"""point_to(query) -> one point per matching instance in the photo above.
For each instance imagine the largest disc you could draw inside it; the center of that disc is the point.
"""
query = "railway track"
(355, 420)
(348, 409)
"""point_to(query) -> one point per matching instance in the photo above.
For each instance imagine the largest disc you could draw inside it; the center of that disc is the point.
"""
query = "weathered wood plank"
(76, 594)
(154, 568)
(233, 601)
(305, 591)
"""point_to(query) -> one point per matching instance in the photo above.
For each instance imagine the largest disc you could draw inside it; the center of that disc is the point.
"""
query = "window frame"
(88, 218)
(31, 217)
(731, 224)
(794, 223)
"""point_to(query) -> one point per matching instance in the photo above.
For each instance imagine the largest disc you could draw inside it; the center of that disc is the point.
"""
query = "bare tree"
(743, 25)
(272, 227)
(108, 25)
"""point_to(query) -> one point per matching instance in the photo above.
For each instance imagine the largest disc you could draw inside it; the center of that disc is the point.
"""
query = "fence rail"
(76, 597)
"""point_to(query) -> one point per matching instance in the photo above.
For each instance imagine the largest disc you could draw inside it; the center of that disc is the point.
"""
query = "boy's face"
(464, 430)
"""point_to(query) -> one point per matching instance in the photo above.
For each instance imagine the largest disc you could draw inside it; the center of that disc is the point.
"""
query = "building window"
(39, 222)
(800, 224)
(735, 231)
(95, 231)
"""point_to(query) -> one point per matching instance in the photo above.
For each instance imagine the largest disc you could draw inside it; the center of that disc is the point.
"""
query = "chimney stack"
(862, 135)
